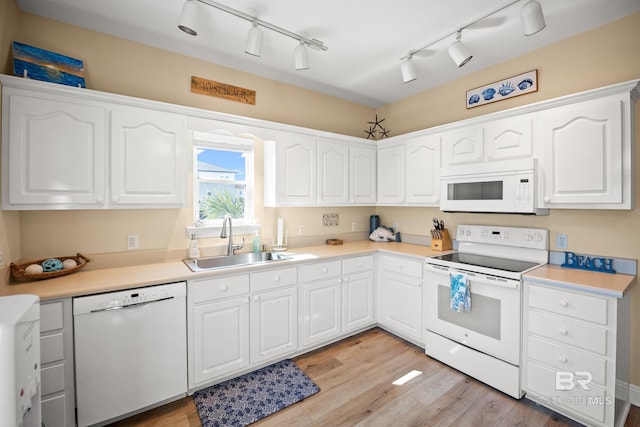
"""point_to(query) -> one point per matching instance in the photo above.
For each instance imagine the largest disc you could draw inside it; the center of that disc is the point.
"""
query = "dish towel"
(460, 293)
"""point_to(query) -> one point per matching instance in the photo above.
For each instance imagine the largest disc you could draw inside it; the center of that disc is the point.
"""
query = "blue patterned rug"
(246, 399)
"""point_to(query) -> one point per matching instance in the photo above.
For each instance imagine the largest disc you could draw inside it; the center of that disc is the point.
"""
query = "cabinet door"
(583, 154)
(274, 320)
(220, 339)
(321, 311)
(333, 172)
(362, 175)
(357, 301)
(509, 138)
(401, 304)
(391, 175)
(296, 169)
(148, 158)
(423, 170)
(54, 154)
(462, 147)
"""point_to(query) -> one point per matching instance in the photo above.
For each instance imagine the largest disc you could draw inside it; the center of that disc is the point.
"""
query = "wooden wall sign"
(221, 90)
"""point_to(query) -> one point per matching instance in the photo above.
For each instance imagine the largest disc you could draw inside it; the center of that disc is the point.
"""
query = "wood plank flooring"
(355, 376)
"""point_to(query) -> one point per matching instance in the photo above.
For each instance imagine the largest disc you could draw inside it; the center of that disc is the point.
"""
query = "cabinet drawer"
(51, 348)
(590, 403)
(219, 287)
(358, 264)
(567, 359)
(51, 316)
(567, 331)
(271, 279)
(52, 379)
(585, 307)
(403, 266)
(321, 270)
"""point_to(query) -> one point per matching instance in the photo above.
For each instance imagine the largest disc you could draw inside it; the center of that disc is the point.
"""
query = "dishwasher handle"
(139, 304)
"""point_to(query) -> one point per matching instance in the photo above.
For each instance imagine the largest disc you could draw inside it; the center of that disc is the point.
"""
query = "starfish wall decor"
(376, 130)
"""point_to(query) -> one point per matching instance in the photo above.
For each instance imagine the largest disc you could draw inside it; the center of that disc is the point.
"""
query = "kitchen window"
(222, 179)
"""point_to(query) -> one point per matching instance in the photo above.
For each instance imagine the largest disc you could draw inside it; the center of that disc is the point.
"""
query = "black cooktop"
(503, 264)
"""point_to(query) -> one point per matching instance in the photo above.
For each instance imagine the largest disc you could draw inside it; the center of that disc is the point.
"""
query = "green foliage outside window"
(221, 203)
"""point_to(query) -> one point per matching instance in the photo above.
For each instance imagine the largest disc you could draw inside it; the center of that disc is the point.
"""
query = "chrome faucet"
(231, 248)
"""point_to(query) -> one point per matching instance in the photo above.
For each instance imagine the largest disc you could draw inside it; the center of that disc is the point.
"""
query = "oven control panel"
(535, 238)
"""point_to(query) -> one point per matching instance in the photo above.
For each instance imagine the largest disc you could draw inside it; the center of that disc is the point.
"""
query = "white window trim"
(214, 230)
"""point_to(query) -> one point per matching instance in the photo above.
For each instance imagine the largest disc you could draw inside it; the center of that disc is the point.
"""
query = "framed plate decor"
(503, 89)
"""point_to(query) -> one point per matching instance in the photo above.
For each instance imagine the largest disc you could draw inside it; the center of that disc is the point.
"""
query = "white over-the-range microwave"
(505, 191)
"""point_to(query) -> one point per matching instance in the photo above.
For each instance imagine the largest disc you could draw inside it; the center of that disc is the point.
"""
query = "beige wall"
(606, 55)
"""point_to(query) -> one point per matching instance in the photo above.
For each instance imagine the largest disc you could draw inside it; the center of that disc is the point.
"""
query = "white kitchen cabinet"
(57, 386)
(587, 157)
(400, 296)
(576, 352)
(148, 158)
(54, 151)
(462, 147)
(423, 170)
(357, 293)
(333, 172)
(391, 175)
(362, 174)
(218, 328)
(274, 314)
(510, 138)
(320, 302)
(70, 148)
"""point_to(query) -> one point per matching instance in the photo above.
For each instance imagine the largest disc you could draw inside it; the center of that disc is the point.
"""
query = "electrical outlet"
(132, 242)
(395, 227)
(301, 229)
(562, 241)
(354, 226)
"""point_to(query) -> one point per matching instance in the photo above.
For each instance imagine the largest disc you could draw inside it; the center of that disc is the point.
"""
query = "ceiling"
(365, 38)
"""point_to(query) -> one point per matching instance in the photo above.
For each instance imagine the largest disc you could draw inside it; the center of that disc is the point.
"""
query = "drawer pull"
(563, 332)
(564, 304)
(563, 360)
(325, 271)
(246, 300)
(400, 267)
(340, 281)
(256, 298)
(224, 288)
(359, 264)
(276, 278)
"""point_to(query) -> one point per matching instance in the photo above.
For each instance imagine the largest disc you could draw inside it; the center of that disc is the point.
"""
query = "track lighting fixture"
(532, 22)
(189, 20)
(189, 17)
(301, 57)
(254, 41)
(532, 17)
(408, 70)
(458, 52)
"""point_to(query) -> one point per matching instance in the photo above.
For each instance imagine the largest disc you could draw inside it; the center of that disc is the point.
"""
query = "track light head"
(458, 52)
(254, 41)
(189, 17)
(408, 70)
(532, 17)
(301, 57)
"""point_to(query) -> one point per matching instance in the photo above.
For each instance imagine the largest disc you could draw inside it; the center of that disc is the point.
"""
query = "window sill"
(214, 230)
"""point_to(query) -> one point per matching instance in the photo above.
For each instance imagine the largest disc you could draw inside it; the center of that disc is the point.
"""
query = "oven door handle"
(480, 278)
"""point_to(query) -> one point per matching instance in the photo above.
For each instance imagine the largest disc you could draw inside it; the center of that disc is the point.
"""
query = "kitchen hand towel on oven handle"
(460, 293)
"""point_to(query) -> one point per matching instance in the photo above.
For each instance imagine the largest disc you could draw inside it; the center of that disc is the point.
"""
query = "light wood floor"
(355, 377)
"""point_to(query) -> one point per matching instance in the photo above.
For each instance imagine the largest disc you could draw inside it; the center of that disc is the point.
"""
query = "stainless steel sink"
(226, 261)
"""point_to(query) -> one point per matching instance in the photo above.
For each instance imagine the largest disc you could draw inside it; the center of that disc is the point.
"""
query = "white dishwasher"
(130, 351)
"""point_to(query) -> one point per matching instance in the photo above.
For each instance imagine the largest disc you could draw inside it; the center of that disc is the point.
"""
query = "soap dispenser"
(194, 252)
(256, 243)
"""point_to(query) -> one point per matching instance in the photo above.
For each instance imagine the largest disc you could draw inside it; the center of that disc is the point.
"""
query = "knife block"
(443, 244)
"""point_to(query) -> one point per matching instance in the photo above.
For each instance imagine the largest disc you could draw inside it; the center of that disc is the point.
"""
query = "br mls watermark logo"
(569, 380)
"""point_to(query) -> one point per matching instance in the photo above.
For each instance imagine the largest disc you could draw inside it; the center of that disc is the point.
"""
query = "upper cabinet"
(70, 148)
(308, 170)
(422, 178)
(587, 157)
(391, 166)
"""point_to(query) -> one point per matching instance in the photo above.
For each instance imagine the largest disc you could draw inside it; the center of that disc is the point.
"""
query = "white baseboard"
(634, 394)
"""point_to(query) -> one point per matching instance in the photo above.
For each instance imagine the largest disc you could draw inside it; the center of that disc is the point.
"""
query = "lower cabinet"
(236, 322)
(400, 298)
(576, 353)
(56, 361)
(337, 298)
